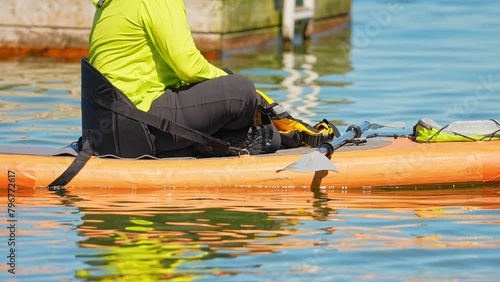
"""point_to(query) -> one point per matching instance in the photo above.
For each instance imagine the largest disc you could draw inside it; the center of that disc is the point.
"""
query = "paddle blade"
(312, 162)
(397, 124)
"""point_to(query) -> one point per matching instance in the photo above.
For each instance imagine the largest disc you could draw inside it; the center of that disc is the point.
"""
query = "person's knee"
(249, 94)
(244, 89)
(240, 102)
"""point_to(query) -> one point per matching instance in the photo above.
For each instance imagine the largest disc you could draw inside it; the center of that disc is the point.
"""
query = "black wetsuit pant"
(225, 103)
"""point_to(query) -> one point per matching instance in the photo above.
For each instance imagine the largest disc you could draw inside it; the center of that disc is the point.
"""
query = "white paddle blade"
(312, 162)
(397, 124)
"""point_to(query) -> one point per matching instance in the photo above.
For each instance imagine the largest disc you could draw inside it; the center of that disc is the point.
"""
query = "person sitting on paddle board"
(146, 50)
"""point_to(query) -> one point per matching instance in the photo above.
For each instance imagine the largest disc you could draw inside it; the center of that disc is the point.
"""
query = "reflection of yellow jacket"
(145, 46)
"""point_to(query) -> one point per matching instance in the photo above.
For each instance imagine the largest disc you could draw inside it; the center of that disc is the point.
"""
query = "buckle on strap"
(164, 125)
(314, 140)
(238, 151)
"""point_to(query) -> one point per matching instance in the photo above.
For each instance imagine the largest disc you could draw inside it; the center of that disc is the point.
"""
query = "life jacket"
(427, 130)
(295, 132)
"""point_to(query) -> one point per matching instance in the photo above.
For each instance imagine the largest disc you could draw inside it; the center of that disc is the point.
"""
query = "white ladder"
(293, 13)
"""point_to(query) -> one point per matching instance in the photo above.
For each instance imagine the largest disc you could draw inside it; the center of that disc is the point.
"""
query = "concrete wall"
(58, 27)
(47, 22)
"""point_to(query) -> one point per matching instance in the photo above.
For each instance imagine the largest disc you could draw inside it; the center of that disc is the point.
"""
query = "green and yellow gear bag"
(427, 130)
(295, 132)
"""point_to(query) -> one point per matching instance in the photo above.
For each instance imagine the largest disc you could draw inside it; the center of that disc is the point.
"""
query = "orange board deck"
(381, 162)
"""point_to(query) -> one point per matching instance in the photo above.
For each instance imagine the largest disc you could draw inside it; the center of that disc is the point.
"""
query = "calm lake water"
(397, 61)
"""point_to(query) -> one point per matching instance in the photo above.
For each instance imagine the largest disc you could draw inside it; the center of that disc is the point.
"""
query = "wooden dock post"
(293, 13)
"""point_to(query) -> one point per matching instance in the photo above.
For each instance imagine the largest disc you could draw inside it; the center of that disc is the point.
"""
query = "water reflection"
(304, 81)
(39, 102)
(213, 233)
(296, 84)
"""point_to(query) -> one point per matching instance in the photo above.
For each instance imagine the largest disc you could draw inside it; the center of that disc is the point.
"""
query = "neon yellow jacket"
(146, 46)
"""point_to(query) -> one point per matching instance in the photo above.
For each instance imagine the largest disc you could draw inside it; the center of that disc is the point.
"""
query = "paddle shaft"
(353, 131)
(315, 161)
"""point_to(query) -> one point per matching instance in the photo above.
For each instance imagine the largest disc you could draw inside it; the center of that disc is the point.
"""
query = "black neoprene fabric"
(226, 103)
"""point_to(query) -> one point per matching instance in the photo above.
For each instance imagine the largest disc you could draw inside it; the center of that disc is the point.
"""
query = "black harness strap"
(121, 107)
(75, 167)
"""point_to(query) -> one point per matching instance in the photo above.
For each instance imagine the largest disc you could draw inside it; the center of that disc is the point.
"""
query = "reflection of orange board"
(397, 162)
